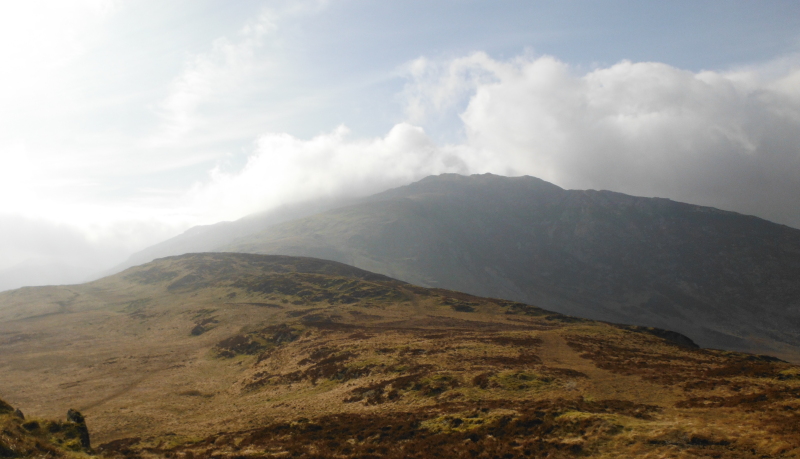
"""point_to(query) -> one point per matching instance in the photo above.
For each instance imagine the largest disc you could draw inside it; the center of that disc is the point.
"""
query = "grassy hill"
(240, 355)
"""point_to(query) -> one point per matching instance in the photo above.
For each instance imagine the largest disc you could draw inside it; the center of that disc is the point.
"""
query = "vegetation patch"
(667, 335)
(152, 275)
(751, 400)
(521, 359)
(189, 282)
(5, 408)
(514, 308)
(746, 369)
(260, 305)
(420, 381)
(563, 372)
(330, 365)
(203, 325)
(639, 354)
(789, 374)
(325, 363)
(137, 309)
(461, 422)
(316, 288)
(515, 341)
(459, 305)
(257, 341)
(194, 393)
(554, 429)
(519, 380)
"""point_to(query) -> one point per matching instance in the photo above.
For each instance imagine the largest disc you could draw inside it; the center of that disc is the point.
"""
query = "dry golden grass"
(236, 355)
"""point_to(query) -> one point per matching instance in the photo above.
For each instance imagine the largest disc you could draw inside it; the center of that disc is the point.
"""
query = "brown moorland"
(238, 355)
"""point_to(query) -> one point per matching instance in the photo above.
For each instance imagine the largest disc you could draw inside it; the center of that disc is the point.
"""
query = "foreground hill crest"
(240, 355)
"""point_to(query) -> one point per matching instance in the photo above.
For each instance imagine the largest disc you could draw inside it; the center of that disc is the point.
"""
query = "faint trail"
(602, 384)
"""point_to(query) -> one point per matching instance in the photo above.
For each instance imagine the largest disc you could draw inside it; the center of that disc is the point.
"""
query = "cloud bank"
(729, 140)
(284, 170)
(100, 164)
(724, 139)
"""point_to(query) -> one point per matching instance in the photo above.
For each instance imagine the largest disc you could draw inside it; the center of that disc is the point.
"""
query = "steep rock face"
(724, 279)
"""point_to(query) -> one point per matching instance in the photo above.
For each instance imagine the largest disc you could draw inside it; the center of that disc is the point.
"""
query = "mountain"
(726, 280)
(240, 355)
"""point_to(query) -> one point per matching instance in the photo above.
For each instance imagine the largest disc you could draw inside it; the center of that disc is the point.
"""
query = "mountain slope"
(724, 279)
(240, 355)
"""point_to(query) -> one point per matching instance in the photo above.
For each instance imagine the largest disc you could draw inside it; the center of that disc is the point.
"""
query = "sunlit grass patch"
(460, 422)
(520, 380)
(792, 373)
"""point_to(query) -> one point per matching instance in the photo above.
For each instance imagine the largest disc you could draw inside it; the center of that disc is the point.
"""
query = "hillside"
(239, 355)
(726, 280)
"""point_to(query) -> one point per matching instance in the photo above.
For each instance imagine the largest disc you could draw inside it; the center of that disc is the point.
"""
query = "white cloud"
(284, 170)
(95, 161)
(729, 140)
(238, 87)
(29, 239)
(39, 36)
(439, 87)
(219, 79)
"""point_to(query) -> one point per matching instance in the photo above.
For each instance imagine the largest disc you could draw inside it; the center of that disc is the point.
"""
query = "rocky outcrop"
(75, 417)
(24, 438)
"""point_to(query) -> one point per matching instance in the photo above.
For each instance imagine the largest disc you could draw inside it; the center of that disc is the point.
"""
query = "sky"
(123, 123)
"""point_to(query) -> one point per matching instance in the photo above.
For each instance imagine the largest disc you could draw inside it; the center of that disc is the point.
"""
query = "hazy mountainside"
(240, 355)
(724, 279)
(207, 238)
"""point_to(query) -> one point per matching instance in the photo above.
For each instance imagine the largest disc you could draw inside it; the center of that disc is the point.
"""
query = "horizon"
(125, 124)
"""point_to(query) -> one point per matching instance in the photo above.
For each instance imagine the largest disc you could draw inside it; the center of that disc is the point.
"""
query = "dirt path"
(603, 384)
